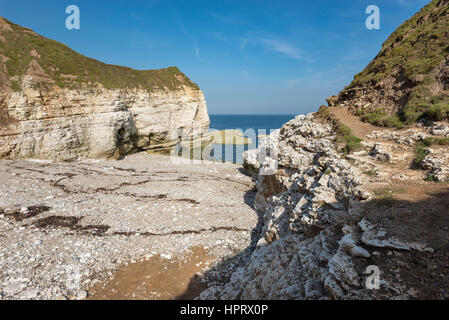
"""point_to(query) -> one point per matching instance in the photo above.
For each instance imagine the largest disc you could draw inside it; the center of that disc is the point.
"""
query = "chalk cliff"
(58, 104)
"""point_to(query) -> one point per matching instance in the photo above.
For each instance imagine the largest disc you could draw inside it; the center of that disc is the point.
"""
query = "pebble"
(31, 293)
(81, 295)
(14, 287)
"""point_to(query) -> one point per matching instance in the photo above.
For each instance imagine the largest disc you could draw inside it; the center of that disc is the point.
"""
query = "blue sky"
(249, 57)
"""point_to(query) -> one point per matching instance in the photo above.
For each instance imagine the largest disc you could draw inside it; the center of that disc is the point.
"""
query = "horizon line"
(254, 114)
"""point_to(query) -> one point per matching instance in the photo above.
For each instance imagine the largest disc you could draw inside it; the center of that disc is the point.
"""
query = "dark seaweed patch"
(32, 212)
(72, 223)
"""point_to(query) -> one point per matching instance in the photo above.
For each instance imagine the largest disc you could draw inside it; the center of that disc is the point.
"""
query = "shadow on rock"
(411, 250)
(221, 273)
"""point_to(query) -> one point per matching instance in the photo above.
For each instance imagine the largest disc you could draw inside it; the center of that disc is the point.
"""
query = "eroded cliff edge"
(58, 104)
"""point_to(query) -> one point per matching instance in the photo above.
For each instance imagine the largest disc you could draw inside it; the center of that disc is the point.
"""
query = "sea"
(252, 126)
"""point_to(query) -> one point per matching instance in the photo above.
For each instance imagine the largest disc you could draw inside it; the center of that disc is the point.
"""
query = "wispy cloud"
(228, 19)
(291, 83)
(355, 54)
(196, 49)
(138, 39)
(136, 17)
(282, 47)
(402, 2)
(219, 36)
(275, 45)
(409, 3)
(257, 36)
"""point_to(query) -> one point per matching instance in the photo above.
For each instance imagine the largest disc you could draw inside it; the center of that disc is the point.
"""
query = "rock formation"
(307, 203)
(359, 222)
(88, 109)
(325, 227)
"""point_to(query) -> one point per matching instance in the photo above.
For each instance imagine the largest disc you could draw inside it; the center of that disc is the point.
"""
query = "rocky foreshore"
(68, 227)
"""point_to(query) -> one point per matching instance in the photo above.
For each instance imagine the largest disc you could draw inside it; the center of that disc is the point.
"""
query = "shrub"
(344, 133)
(393, 121)
(352, 143)
(433, 141)
(379, 118)
(435, 108)
(15, 85)
(370, 173)
(420, 154)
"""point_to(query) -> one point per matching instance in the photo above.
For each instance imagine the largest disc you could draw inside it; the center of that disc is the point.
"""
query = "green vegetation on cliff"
(416, 56)
(418, 46)
(20, 46)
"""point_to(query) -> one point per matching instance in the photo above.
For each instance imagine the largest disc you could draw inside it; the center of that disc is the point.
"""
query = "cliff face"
(99, 111)
(69, 124)
(409, 78)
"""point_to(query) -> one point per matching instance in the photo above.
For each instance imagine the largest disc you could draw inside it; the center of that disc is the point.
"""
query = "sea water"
(252, 126)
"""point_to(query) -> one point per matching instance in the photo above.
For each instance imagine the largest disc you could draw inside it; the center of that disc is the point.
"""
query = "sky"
(248, 56)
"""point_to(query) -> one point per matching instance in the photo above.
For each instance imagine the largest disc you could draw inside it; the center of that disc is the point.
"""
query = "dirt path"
(68, 227)
(359, 128)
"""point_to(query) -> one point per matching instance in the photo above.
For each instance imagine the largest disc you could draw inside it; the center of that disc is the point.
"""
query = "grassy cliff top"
(416, 56)
(19, 46)
(418, 46)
